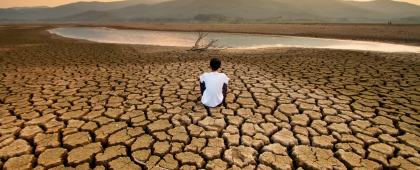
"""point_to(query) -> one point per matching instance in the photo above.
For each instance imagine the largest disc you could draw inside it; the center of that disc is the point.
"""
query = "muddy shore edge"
(398, 34)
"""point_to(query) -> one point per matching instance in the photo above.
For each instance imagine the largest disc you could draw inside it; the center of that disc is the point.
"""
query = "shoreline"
(248, 48)
(391, 34)
(374, 33)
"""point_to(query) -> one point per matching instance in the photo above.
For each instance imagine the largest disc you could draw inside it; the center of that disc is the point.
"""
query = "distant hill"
(190, 8)
(5, 20)
(132, 10)
(34, 7)
(69, 9)
(38, 13)
(415, 19)
(336, 9)
(252, 8)
(398, 9)
(106, 6)
(88, 16)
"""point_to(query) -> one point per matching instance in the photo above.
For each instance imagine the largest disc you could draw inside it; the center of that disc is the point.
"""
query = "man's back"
(213, 93)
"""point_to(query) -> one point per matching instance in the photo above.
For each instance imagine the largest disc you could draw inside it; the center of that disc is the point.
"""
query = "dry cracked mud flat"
(67, 104)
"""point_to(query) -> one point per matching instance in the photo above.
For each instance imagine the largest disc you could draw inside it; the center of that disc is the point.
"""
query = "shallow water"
(234, 41)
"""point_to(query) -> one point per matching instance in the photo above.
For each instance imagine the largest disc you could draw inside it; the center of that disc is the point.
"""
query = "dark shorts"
(224, 91)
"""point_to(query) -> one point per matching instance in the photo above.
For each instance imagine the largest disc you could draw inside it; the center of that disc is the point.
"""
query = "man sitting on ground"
(213, 85)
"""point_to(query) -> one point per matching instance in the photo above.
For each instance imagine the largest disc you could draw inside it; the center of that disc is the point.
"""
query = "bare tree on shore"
(202, 46)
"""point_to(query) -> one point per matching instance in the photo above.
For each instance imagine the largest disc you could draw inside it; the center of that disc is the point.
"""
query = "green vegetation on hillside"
(415, 19)
(210, 17)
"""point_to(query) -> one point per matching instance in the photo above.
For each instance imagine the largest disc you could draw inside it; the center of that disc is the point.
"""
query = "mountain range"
(19, 8)
(184, 9)
(36, 13)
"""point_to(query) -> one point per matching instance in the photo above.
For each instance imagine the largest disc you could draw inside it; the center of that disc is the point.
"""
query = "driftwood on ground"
(200, 45)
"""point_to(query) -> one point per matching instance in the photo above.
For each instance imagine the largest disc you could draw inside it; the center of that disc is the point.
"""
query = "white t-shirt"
(213, 95)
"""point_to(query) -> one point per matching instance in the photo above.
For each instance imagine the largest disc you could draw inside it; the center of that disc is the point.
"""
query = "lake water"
(234, 41)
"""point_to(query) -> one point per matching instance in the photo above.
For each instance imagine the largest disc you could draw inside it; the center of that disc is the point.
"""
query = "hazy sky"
(52, 3)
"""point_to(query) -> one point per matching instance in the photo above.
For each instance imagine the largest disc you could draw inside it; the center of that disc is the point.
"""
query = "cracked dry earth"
(75, 105)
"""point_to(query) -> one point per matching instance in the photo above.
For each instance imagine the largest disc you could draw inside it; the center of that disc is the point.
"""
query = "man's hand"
(198, 78)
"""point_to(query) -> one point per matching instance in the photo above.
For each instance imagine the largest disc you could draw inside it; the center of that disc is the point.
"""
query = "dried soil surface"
(75, 104)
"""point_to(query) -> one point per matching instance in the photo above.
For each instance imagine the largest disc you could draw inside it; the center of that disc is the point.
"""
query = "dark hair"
(215, 63)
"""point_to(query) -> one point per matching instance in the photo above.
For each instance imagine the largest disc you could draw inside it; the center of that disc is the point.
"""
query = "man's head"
(215, 63)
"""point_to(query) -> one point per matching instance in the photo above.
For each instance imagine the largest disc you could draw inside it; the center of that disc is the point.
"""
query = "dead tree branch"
(203, 46)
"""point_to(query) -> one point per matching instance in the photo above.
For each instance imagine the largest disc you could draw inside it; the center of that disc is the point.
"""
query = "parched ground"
(71, 104)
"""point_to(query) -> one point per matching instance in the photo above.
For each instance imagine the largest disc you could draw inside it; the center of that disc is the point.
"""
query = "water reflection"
(235, 41)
